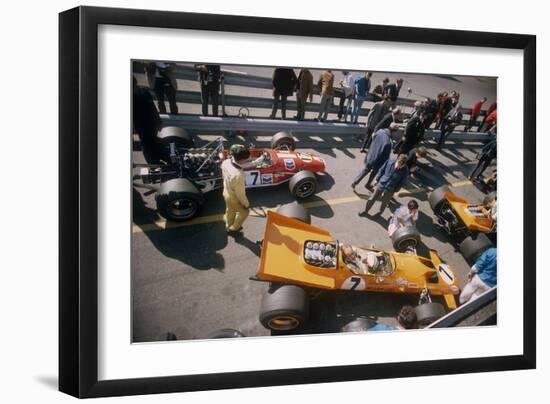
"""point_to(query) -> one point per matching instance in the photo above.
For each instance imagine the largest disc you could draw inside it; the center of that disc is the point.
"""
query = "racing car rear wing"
(282, 249)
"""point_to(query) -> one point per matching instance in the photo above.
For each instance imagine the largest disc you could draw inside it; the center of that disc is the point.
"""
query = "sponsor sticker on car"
(290, 164)
(267, 179)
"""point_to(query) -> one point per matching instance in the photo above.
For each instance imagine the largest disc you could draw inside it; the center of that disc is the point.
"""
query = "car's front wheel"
(303, 184)
(404, 238)
(427, 313)
(179, 200)
(284, 309)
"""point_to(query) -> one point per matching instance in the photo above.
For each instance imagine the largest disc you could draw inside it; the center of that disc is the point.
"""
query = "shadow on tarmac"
(196, 246)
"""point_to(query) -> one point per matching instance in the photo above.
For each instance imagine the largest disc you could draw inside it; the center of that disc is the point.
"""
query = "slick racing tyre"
(404, 238)
(303, 184)
(427, 313)
(284, 309)
(295, 211)
(437, 198)
(283, 140)
(179, 200)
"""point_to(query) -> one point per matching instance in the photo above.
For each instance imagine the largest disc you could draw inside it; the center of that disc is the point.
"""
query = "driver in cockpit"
(253, 163)
(362, 261)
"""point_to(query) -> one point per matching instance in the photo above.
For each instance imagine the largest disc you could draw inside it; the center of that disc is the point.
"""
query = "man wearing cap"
(234, 193)
(389, 180)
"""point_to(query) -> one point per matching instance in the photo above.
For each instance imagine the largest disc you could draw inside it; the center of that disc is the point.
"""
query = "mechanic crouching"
(234, 193)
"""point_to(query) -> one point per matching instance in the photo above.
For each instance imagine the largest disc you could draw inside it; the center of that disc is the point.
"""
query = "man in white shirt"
(405, 215)
(348, 86)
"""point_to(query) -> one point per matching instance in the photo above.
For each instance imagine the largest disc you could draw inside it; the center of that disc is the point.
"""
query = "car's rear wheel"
(225, 333)
(284, 309)
(427, 313)
(473, 246)
(295, 211)
(357, 325)
(437, 198)
(283, 140)
(172, 134)
(179, 199)
(405, 237)
(303, 184)
(489, 198)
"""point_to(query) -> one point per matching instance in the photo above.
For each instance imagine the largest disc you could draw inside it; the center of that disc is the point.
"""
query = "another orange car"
(302, 257)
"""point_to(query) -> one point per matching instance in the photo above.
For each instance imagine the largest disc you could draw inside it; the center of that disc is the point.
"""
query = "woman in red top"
(492, 108)
(490, 121)
(474, 113)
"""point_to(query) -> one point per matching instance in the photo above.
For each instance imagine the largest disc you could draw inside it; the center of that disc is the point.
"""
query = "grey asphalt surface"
(192, 280)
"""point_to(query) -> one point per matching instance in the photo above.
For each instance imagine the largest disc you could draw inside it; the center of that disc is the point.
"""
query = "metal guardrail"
(205, 124)
(210, 124)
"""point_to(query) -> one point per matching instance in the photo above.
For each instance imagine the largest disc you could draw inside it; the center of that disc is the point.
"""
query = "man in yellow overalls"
(234, 193)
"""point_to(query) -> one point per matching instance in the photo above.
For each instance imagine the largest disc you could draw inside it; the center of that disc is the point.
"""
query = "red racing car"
(191, 172)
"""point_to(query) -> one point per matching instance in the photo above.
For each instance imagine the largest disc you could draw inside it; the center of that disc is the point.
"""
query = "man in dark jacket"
(390, 117)
(379, 153)
(146, 122)
(209, 77)
(450, 122)
(377, 112)
(303, 92)
(414, 133)
(284, 83)
(392, 90)
(389, 180)
(161, 79)
(487, 155)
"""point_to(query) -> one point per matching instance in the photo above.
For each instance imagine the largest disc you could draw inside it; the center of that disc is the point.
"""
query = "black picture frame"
(78, 196)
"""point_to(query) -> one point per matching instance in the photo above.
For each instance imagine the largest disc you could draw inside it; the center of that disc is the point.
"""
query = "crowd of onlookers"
(444, 111)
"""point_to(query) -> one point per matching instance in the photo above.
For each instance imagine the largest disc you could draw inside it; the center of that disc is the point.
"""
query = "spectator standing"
(482, 276)
(486, 157)
(326, 88)
(234, 192)
(455, 98)
(284, 83)
(146, 122)
(412, 158)
(475, 111)
(209, 77)
(392, 90)
(379, 152)
(389, 180)
(362, 87)
(414, 133)
(376, 114)
(490, 121)
(390, 117)
(430, 108)
(160, 77)
(405, 215)
(305, 90)
(445, 104)
(450, 122)
(491, 108)
(348, 87)
(380, 90)
(406, 320)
